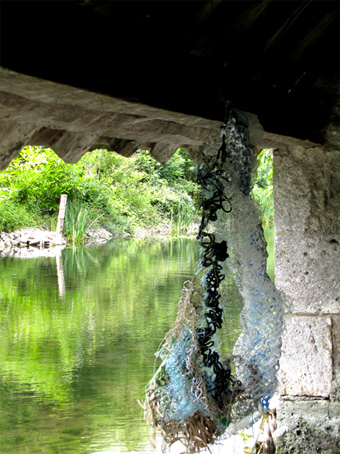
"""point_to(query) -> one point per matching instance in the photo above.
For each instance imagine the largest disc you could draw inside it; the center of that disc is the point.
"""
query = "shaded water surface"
(75, 355)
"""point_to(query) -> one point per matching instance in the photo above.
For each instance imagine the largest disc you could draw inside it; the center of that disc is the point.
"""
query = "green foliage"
(14, 217)
(182, 218)
(263, 187)
(37, 178)
(78, 220)
(180, 166)
(124, 193)
(142, 191)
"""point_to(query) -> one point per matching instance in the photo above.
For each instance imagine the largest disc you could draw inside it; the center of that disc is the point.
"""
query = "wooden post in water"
(60, 273)
(61, 214)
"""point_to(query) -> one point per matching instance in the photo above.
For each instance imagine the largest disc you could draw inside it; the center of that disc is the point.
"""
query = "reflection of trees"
(88, 350)
(67, 332)
(75, 366)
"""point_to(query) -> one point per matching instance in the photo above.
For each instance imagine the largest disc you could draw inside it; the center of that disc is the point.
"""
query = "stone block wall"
(307, 262)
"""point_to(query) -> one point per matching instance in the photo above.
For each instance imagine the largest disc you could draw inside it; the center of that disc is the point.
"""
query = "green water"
(74, 362)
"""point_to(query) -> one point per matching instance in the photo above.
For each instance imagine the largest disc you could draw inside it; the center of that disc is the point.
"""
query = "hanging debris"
(193, 394)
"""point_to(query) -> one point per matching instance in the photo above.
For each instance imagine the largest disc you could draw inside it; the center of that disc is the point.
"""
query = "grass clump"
(78, 220)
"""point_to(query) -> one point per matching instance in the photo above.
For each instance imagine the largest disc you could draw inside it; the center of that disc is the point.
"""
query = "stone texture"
(336, 358)
(306, 361)
(72, 121)
(308, 272)
(307, 191)
(311, 427)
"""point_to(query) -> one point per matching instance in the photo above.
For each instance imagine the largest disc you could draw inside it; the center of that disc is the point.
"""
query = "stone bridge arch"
(73, 122)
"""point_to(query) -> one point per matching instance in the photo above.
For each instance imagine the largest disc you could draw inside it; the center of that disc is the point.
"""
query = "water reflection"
(73, 367)
(76, 354)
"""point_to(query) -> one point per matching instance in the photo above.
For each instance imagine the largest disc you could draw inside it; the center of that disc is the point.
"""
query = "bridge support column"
(307, 261)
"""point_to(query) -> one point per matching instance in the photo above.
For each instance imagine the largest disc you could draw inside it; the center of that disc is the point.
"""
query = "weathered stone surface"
(307, 191)
(162, 151)
(274, 141)
(308, 272)
(13, 137)
(334, 410)
(306, 361)
(307, 427)
(336, 358)
(72, 121)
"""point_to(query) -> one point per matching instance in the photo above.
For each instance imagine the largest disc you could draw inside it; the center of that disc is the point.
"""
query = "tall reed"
(78, 220)
(182, 219)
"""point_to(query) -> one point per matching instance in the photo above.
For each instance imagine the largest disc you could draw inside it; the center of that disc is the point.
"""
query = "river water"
(77, 341)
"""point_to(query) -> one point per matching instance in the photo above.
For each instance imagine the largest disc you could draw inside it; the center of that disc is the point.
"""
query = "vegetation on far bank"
(103, 189)
(106, 189)
(263, 187)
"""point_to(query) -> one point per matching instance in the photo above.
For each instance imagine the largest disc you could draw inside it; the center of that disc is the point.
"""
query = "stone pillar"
(307, 261)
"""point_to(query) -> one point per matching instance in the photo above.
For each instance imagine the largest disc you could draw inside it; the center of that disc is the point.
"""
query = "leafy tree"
(124, 193)
(263, 187)
(37, 178)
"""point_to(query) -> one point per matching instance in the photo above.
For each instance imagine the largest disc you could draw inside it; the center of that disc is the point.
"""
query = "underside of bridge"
(86, 74)
(164, 71)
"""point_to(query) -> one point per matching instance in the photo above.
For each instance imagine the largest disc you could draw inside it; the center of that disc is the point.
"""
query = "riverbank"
(31, 242)
(30, 237)
(34, 242)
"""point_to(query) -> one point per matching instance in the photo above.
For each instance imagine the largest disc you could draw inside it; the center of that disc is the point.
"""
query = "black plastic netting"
(195, 395)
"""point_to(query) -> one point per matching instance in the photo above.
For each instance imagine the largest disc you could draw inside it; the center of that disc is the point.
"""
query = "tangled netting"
(195, 395)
